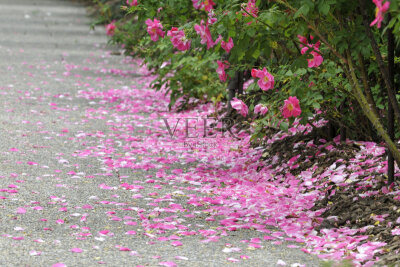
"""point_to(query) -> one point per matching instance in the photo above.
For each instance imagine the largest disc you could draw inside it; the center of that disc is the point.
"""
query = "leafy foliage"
(266, 34)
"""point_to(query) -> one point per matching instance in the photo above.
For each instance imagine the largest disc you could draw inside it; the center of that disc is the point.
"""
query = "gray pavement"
(47, 54)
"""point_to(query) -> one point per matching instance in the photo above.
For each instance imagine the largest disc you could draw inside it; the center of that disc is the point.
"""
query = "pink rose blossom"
(110, 29)
(221, 70)
(260, 109)
(211, 19)
(154, 28)
(251, 8)
(132, 2)
(227, 46)
(206, 4)
(302, 40)
(266, 81)
(240, 106)
(317, 58)
(178, 39)
(379, 12)
(196, 4)
(218, 39)
(291, 108)
(205, 34)
(305, 42)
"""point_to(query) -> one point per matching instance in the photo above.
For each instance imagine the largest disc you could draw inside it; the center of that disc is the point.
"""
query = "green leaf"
(231, 33)
(241, 55)
(301, 71)
(324, 8)
(303, 10)
(256, 53)
(220, 28)
(318, 97)
(284, 126)
(251, 32)
(316, 105)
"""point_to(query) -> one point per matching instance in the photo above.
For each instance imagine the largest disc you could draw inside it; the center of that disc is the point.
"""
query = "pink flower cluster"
(227, 46)
(266, 80)
(221, 70)
(211, 19)
(317, 58)
(291, 107)
(205, 34)
(154, 28)
(251, 8)
(240, 106)
(260, 109)
(381, 9)
(132, 2)
(206, 4)
(178, 39)
(110, 29)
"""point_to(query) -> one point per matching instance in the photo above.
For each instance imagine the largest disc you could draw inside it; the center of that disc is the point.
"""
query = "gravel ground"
(41, 43)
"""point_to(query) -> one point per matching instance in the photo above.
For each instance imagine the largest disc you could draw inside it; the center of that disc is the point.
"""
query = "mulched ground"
(368, 204)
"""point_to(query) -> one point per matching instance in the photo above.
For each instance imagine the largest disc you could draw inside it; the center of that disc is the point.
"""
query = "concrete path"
(57, 207)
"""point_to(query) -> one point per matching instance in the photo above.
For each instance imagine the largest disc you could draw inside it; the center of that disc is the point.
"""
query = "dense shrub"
(309, 60)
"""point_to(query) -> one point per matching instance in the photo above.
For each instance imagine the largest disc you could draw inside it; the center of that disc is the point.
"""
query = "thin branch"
(367, 88)
(370, 114)
(383, 69)
(316, 31)
(391, 130)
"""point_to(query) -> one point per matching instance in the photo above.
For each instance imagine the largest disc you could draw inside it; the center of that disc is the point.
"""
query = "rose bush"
(309, 60)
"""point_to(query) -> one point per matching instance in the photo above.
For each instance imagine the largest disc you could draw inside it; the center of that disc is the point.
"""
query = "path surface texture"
(90, 175)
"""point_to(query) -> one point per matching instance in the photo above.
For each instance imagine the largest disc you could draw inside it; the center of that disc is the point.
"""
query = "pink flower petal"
(35, 253)
(176, 243)
(280, 263)
(132, 232)
(76, 250)
(21, 211)
(167, 263)
(181, 258)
